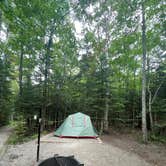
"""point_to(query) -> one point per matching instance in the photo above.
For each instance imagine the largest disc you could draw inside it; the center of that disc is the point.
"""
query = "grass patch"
(158, 139)
(16, 139)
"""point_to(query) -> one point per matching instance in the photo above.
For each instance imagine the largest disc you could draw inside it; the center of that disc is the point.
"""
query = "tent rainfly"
(77, 125)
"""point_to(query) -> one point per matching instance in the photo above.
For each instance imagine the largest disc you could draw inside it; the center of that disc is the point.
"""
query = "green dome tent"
(77, 125)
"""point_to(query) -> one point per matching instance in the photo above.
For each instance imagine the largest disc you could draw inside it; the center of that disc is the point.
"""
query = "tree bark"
(107, 92)
(133, 99)
(46, 73)
(106, 123)
(21, 71)
(151, 101)
(144, 124)
(150, 108)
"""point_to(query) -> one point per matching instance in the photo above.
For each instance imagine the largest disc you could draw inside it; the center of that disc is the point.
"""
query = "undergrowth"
(21, 133)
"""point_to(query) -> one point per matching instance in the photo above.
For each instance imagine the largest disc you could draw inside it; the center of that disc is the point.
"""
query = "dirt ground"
(4, 134)
(151, 152)
(91, 152)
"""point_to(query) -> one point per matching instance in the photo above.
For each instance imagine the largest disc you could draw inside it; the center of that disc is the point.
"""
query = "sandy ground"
(91, 152)
(4, 134)
(154, 153)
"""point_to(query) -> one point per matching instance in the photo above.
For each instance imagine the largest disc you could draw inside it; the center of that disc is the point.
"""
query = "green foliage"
(5, 91)
(62, 72)
(20, 131)
(157, 139)
(14, 139)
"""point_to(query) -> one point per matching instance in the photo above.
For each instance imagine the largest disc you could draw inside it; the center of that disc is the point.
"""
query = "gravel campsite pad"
(91, 152)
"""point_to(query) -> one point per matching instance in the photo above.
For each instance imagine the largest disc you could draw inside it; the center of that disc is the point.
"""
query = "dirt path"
(151, 152)
(88, 151)
(4, 135)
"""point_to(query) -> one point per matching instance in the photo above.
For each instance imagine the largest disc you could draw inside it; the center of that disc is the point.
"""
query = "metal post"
(39, 128)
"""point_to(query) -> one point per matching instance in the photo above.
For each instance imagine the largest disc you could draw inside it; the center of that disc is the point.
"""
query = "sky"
(3, 35)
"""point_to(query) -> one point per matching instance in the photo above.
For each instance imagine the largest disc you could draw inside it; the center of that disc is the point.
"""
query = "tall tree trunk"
(144, 124)
(102, 96)
(21, 71)
(106, 123)
(150, 95)
(64, 83)
(133, 99)
(46, 73)
(151, 101)
(106, 65)
(150, 110)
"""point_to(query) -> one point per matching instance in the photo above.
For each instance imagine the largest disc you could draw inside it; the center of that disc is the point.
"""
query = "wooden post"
(39, 129)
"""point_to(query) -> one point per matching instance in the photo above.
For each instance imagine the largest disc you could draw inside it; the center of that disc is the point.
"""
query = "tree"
(97, 71)
(144, 125)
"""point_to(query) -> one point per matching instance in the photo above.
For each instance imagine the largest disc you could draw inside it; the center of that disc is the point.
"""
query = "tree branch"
(156, 92)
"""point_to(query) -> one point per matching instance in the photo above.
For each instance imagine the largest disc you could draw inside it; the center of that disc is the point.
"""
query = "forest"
(104, 58)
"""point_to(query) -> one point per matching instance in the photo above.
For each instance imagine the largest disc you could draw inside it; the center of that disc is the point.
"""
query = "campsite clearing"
(91, 152)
